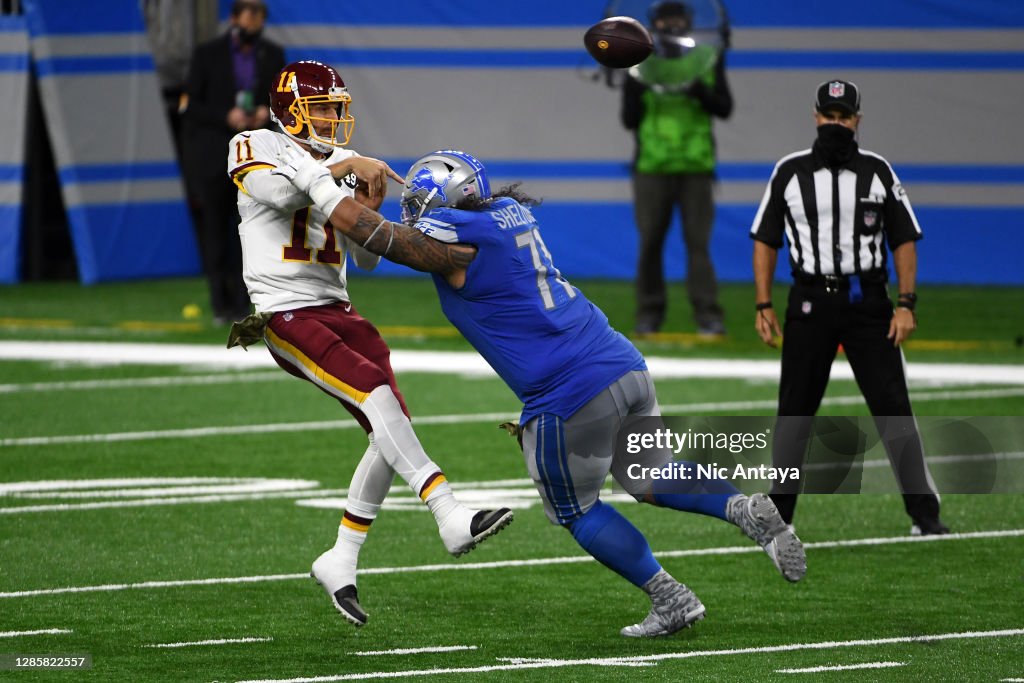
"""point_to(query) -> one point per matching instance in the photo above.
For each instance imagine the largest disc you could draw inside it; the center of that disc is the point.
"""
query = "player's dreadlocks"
(475, 203)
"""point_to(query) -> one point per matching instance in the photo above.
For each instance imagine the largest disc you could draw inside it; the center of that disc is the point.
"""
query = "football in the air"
(618, 42)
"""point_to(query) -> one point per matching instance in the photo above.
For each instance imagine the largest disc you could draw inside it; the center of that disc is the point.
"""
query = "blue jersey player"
(578, 379)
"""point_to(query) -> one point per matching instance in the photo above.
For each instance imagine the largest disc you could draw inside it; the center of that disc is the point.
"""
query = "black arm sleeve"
(632, 103)
(716, 101)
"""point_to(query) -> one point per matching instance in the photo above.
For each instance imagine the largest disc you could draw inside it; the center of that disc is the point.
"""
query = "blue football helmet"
(442, 178)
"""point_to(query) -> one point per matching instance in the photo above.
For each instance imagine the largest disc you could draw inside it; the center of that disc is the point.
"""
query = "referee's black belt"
(837, 283)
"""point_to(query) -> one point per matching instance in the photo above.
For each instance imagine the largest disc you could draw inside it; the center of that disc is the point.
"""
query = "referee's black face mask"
(835, 142)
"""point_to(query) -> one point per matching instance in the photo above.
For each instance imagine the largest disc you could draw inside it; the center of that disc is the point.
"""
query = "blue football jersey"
(552, 347)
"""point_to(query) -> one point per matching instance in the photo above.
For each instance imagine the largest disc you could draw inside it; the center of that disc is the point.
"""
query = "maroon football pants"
(336, 349)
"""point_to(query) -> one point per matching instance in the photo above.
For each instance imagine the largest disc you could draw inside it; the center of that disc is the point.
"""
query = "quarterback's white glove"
(301, 169)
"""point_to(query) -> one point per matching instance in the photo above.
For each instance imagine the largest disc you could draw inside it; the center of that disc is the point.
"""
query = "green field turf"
(120, 569)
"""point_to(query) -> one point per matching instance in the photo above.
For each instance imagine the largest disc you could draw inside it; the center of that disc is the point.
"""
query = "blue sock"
(614, 542)
(707, 496)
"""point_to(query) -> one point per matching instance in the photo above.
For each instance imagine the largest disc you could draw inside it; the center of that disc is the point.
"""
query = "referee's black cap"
(842, 95)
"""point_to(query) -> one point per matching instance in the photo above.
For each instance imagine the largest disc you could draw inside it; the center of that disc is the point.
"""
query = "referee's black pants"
(818, 320)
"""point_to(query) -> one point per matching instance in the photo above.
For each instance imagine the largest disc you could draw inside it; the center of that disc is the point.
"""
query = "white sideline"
(683, 408)
(464, 362)
(414, 650)
(630, 661)
(841, 667)
(150, 502)
(501, 564)
(40, 632)
(306, 492)
(134, 382)
(220, 641)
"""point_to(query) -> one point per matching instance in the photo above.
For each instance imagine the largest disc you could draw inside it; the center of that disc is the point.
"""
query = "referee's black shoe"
(928, 526)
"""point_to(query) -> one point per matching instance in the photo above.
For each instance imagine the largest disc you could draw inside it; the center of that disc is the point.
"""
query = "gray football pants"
(569, 460)
(655, 197)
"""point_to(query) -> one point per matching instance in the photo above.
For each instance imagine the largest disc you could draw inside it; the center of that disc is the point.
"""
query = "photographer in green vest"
(669, 100)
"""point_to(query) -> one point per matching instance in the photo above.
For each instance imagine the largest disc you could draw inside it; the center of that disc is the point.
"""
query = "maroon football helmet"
(304, 83)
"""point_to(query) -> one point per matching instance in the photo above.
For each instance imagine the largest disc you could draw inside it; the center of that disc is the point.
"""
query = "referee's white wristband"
(326, 195)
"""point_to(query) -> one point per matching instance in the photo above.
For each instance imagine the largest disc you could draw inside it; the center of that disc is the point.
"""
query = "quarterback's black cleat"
(466, 529)
(339, 586)
(488, 522)
(346, 600)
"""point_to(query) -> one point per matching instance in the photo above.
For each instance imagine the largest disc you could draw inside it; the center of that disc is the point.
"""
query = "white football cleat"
(465, 529)
(340, 587)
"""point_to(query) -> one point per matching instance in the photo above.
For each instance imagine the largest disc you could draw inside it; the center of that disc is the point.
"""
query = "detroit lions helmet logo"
(424, 181)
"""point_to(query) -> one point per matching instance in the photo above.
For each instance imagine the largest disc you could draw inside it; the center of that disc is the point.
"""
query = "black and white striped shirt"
(837, 220)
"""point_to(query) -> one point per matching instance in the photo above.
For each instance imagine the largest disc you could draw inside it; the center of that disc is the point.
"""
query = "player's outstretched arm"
(366, 227)
(398, 242)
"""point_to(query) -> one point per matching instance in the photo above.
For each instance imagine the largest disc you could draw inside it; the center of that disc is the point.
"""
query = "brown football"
(618, 42)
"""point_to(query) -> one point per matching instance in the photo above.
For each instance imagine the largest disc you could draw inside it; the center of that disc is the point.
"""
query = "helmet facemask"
(299, 109)
(442, 178)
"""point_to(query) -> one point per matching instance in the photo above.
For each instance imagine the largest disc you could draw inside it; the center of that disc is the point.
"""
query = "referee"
(839, 206)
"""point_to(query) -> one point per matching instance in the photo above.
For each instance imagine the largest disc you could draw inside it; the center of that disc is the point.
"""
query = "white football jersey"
(291, 256)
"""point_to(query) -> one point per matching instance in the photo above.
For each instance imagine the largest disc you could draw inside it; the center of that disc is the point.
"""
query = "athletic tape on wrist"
(326, 195)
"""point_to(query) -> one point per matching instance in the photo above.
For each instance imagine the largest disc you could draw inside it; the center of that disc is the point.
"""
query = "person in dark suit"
(228, 91)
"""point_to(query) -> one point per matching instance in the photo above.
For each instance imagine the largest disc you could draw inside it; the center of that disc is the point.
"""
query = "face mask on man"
(835, 141)
(248, 36)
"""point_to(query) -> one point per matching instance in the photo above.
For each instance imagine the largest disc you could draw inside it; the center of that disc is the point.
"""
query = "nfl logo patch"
(836, 89)
(805, 307)
(870, 218)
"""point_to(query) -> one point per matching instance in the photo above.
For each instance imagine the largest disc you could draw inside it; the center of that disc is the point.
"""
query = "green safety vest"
(674, 135)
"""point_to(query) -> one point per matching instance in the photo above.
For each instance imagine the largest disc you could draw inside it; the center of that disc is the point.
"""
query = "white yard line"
(258, 486)
(8, 488)
(40, 632)
(221, 641)
(519, 493)
(610, 661)
(149, 502)
(683, 408)
(501, 564)
(136, 382)
(464, 362)
(627, 661)
(414, 650)
(841, 667)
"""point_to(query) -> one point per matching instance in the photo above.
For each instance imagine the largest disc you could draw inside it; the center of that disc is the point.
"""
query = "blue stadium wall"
(13, 112)
(513, 85)
(119, 179)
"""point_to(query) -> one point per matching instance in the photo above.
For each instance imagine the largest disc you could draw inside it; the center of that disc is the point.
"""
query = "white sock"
(370, 484)
(393, 433)
(401, 448)
(439, 498)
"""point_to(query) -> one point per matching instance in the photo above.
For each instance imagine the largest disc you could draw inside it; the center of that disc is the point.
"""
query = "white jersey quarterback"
(291, 255)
